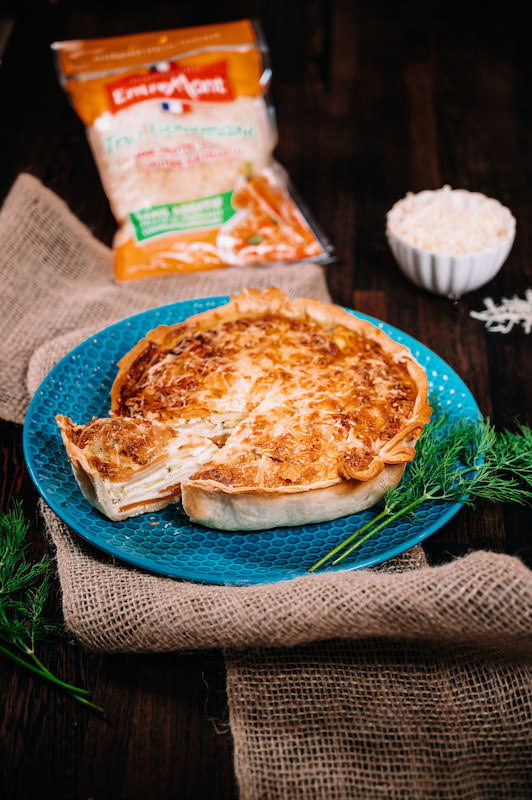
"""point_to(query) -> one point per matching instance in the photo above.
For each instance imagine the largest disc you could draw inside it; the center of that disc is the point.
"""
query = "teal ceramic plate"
(79, 386)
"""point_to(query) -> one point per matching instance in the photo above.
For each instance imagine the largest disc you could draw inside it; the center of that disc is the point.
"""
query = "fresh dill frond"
(456, 461)
(25, 587)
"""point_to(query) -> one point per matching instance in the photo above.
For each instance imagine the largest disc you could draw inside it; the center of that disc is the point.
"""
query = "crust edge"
(260, 510)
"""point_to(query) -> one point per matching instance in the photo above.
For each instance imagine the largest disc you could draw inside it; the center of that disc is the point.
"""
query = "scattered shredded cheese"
(450, 221)
(511, 311)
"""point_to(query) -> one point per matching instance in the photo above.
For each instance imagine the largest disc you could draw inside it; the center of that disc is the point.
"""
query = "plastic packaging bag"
(183, 133)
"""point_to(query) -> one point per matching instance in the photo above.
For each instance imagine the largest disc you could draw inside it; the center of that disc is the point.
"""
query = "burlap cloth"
(402, 682)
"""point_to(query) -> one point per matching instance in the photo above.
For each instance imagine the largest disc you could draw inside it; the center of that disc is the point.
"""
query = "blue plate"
(167, 543)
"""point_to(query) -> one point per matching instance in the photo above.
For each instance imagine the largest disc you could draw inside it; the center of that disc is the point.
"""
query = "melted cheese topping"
(292, 403)
(118, 448)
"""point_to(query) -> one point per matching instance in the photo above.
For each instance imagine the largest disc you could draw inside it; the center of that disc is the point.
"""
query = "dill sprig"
(25, 586)
(456, 461)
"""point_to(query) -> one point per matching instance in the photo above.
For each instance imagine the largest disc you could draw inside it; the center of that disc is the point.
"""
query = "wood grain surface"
(373, 100)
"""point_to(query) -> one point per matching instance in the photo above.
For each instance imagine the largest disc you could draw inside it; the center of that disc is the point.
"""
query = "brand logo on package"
(207, 83)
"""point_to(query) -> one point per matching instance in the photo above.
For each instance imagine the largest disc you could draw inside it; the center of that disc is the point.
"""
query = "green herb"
(455, 461)
(24, 589)
(256, 239)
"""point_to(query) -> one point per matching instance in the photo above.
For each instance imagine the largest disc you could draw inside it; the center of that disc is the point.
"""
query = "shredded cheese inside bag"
(183, 133)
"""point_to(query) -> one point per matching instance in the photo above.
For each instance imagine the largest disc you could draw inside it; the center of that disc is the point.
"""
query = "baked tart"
(288, 412)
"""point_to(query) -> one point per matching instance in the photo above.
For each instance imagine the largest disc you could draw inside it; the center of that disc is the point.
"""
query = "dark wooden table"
(373, 100)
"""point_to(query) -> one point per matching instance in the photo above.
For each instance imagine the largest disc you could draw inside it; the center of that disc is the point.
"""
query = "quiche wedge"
(127, 467)
(289, 411)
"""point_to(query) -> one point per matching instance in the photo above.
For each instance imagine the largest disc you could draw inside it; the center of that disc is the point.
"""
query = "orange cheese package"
(182, 132)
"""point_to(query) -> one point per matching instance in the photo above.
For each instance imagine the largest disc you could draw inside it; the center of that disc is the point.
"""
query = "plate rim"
(146, 564)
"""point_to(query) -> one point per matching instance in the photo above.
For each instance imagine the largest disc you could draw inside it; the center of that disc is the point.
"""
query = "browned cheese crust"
(115, 448)
(315, 411)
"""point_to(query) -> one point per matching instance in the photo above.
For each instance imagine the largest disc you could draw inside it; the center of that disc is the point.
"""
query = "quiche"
(263, 412)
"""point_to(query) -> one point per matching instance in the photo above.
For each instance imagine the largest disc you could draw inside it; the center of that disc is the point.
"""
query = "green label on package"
(207, 212)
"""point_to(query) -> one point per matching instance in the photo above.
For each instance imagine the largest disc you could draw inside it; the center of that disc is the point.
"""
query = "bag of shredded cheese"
(183, 133)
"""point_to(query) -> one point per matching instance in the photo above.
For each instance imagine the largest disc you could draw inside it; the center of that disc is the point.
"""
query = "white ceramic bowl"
(450, 273)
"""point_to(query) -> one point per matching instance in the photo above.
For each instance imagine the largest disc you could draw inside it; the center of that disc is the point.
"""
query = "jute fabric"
(381, 719)
(401, 682)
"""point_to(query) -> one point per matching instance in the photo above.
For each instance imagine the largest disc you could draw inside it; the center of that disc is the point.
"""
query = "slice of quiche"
(127, 467)
(312, 412)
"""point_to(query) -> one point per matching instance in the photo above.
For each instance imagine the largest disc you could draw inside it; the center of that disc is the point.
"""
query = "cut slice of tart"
(127, 467)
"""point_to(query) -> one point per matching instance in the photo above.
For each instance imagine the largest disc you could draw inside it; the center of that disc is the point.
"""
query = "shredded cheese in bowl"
(450, 241)
(450, 221)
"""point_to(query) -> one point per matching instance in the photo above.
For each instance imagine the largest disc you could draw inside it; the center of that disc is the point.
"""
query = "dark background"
(373, 100)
